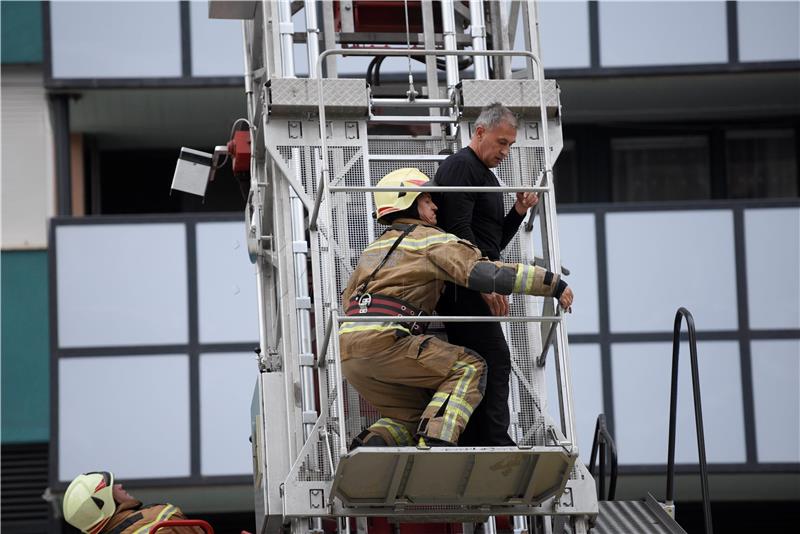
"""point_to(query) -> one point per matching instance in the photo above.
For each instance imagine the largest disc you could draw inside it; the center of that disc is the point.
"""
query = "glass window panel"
(565, 172)
(226, 390)
(761, 163)
(565, 34)
(126, 414)
(660, 261)
(641, 377)
(579, 255)
(660, 168)
(769, 31)
(115, 39)
(772, 242)
(776, 393)
(587, 393)
(662, 33)
(226, 281)
(121, 285)
(216, 44)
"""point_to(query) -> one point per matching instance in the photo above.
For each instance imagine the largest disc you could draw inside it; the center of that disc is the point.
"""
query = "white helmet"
(89, 501)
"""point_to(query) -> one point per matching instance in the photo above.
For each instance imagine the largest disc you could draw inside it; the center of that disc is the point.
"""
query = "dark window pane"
(660, 168)
(761, 164)
(565, 174)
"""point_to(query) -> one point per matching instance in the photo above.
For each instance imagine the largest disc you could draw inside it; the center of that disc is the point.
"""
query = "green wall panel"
(21, 32)
(25, 347)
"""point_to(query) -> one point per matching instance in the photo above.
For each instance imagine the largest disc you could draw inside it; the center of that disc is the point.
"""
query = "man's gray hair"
(495, 114)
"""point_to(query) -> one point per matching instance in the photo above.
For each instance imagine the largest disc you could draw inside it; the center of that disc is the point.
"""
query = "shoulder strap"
(407, 229)
(133, 518)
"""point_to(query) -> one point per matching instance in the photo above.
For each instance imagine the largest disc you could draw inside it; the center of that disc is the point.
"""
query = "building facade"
(133, 310)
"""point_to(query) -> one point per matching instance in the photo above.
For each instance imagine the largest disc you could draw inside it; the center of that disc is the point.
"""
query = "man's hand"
(566, 299)
(525, 201)
(498, 304)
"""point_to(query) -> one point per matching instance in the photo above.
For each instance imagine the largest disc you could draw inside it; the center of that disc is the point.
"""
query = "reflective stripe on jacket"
(426, 259)
(133, 518)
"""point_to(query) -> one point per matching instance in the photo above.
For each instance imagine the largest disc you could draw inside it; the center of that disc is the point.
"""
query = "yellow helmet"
(387, 202)
(89, 501)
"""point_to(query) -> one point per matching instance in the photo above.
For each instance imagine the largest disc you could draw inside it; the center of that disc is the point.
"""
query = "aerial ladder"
(319, 144)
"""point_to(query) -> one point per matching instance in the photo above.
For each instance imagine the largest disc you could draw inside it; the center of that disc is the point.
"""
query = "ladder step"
(412, 118)
(407, 157)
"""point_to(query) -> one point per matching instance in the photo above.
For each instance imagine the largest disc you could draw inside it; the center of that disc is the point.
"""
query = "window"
(662, 33)
(565, 172)
(660, 168)
(769, 31)
(761, 163)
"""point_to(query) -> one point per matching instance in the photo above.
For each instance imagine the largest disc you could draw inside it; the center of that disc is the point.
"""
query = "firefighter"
(424, 388)
(94, 504)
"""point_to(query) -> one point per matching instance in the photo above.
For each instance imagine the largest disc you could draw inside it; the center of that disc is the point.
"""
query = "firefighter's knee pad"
(367, 438)
(483, 367)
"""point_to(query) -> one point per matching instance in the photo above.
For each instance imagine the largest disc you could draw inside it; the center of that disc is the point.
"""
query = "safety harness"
(364, 303)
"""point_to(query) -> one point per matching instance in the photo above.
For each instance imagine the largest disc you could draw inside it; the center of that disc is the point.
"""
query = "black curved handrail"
(698, 413)
(603, 439)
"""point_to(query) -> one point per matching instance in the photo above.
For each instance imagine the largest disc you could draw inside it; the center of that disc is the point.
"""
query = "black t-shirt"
(476, 217)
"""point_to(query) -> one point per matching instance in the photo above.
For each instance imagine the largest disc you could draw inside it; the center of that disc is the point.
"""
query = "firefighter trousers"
(420, 385)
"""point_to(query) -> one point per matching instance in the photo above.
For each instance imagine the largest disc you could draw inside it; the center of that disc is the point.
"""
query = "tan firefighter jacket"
(427, 258)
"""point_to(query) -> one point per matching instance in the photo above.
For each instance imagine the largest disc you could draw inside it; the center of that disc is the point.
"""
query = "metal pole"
(698, 414)
(437, 189)
(303, 302)
(447, 319)
(478, 38)
(312, 36)
(417, 103)
(450, 44)
(286, 28)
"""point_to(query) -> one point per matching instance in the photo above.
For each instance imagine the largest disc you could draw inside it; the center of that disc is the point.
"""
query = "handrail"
(602, 438)
(450, 319)
(323, 184)
(698, 414)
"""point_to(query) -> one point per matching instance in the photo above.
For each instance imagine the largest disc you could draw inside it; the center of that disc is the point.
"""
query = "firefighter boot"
(367, 438)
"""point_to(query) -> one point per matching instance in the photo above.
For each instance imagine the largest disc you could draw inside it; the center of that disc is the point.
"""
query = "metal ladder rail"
(698, 414)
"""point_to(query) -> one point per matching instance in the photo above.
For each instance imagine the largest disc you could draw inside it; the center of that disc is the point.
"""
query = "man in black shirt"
(480, 219)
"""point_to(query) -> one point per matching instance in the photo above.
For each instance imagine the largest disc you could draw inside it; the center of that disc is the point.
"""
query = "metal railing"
(698, 414)
(604, 444)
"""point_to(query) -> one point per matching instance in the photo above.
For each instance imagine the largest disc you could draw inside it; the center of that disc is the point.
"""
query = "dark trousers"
(488, 425)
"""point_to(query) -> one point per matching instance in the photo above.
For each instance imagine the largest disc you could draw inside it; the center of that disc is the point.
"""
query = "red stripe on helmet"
(100, 485)
(387, 209)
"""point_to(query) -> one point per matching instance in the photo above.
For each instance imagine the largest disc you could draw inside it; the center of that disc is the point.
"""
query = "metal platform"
(632, 517)
(396, 476)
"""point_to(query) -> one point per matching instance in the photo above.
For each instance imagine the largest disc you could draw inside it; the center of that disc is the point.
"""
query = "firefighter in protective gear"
(95, 505)
(424, 388)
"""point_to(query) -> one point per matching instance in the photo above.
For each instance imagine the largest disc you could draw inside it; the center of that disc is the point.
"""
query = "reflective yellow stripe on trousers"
(402, 437)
